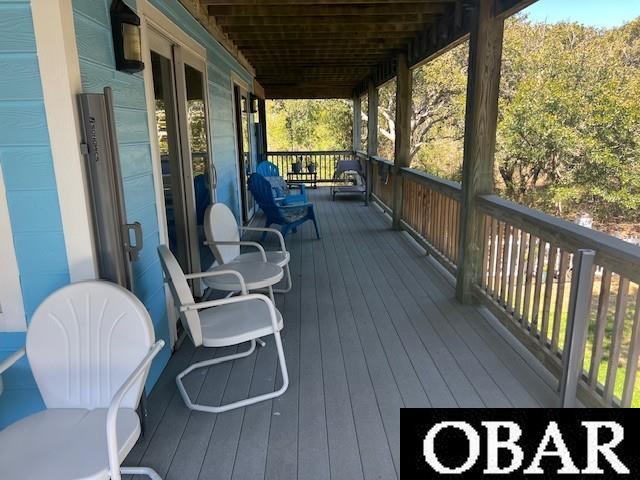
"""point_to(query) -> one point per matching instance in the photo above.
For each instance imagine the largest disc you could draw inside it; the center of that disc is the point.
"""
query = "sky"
(596, 13)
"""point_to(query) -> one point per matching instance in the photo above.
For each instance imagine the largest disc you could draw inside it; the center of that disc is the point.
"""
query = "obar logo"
(533, 443)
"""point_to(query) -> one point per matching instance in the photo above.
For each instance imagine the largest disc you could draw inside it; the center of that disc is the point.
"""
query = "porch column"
(357, 123)
(403, 134)
(262, 116)
(485, 57)
(372, 134)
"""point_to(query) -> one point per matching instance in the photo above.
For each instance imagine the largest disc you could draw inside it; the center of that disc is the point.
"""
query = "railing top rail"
(381, 160)
(611, 252)
(447, 187)
(311, 152)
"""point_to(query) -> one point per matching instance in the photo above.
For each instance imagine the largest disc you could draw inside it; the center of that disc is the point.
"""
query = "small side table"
(303, 177)
(257, 276)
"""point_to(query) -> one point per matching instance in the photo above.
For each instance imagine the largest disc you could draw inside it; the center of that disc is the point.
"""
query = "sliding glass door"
(182, 134)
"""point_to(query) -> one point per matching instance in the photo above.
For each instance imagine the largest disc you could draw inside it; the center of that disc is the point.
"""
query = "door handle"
(137, 234)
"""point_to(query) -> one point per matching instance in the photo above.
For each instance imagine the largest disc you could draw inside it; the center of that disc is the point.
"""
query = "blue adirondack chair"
(289, 217)
(281, 188)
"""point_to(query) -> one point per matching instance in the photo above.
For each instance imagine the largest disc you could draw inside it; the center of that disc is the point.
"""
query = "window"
(12, 318)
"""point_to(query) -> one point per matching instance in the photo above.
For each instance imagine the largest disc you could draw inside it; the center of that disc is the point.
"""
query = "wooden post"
(357, 123)
(372, 134)
(403, 134)
(262, 112)
(485, 58)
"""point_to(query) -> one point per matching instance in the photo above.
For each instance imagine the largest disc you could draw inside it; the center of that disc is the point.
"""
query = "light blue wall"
(28, 170)
(30, 182)
(97, 69)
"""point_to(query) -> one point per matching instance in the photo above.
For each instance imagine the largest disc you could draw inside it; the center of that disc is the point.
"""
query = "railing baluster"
(522, 249)
(557, 321)
(526, 316)
(616, 340)
(601, 323)
(632, 358)
(513, 258)
(537, 292)
(548, 291)
(504, 275)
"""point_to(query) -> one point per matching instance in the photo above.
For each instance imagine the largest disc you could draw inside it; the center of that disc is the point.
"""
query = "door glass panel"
(244, 151)
(168, 142)
(200, 164)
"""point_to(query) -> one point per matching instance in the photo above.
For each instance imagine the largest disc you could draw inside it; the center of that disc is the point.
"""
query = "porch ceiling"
(330, 48)
(322, 48)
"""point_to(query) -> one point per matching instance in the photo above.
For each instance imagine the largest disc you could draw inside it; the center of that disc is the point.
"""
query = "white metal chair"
(223, 238)
(222, 323)
(90, 346)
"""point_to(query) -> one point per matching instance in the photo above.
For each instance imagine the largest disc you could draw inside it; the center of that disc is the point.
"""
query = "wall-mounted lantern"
(125, 29)
(254, 103)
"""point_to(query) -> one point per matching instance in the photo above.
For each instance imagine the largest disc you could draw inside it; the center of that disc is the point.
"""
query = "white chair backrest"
(220, 225)
(84, 341)
(181, 293)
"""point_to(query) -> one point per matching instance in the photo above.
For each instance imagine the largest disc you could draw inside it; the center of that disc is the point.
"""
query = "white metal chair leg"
(239, 403)
(289, 283)
(149, 472)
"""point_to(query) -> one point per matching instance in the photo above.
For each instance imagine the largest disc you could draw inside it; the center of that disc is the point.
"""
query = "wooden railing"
(527, 278)
(325, 162)
(382, 181)
(431, 211)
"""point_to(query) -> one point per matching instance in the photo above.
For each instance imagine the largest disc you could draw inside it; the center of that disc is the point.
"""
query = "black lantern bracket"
(127, 45)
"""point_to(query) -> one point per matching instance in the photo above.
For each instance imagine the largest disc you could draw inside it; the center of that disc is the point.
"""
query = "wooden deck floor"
(370, 327)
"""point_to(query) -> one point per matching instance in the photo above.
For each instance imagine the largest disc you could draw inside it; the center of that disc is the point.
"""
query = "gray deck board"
(371, 326)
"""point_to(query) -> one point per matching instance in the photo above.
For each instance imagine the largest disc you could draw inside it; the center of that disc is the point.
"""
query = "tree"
(309, 124)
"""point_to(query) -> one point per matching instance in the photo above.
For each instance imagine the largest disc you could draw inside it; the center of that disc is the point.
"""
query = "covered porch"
(421, 293)
(371, 325)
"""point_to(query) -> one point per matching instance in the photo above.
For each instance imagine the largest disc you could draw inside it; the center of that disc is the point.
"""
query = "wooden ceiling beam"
(370, 21)
(235, 31)
(324, 35)
(199, 12)
(313, 49)
(329, 10)
(248, 45)
(317, 2)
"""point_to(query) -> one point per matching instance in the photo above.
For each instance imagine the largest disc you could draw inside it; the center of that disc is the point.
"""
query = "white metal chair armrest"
(112, 413)
(241, 298)
(218, 273)
(242, 243)
(283, 246)
(11, 360)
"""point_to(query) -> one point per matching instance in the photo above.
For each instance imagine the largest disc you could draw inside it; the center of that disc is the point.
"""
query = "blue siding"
(29, 176)
(97, 69)
(27, 165)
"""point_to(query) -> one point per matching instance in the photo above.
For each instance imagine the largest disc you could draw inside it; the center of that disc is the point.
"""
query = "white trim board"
(12, 317)
(60, 77)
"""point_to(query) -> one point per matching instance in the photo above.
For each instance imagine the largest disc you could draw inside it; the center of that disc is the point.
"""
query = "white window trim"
(12, 317)
(61, 81)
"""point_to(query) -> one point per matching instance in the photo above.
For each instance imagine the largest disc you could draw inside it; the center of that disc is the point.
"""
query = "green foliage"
(569, 130)
(569, 119)
(309, 125)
